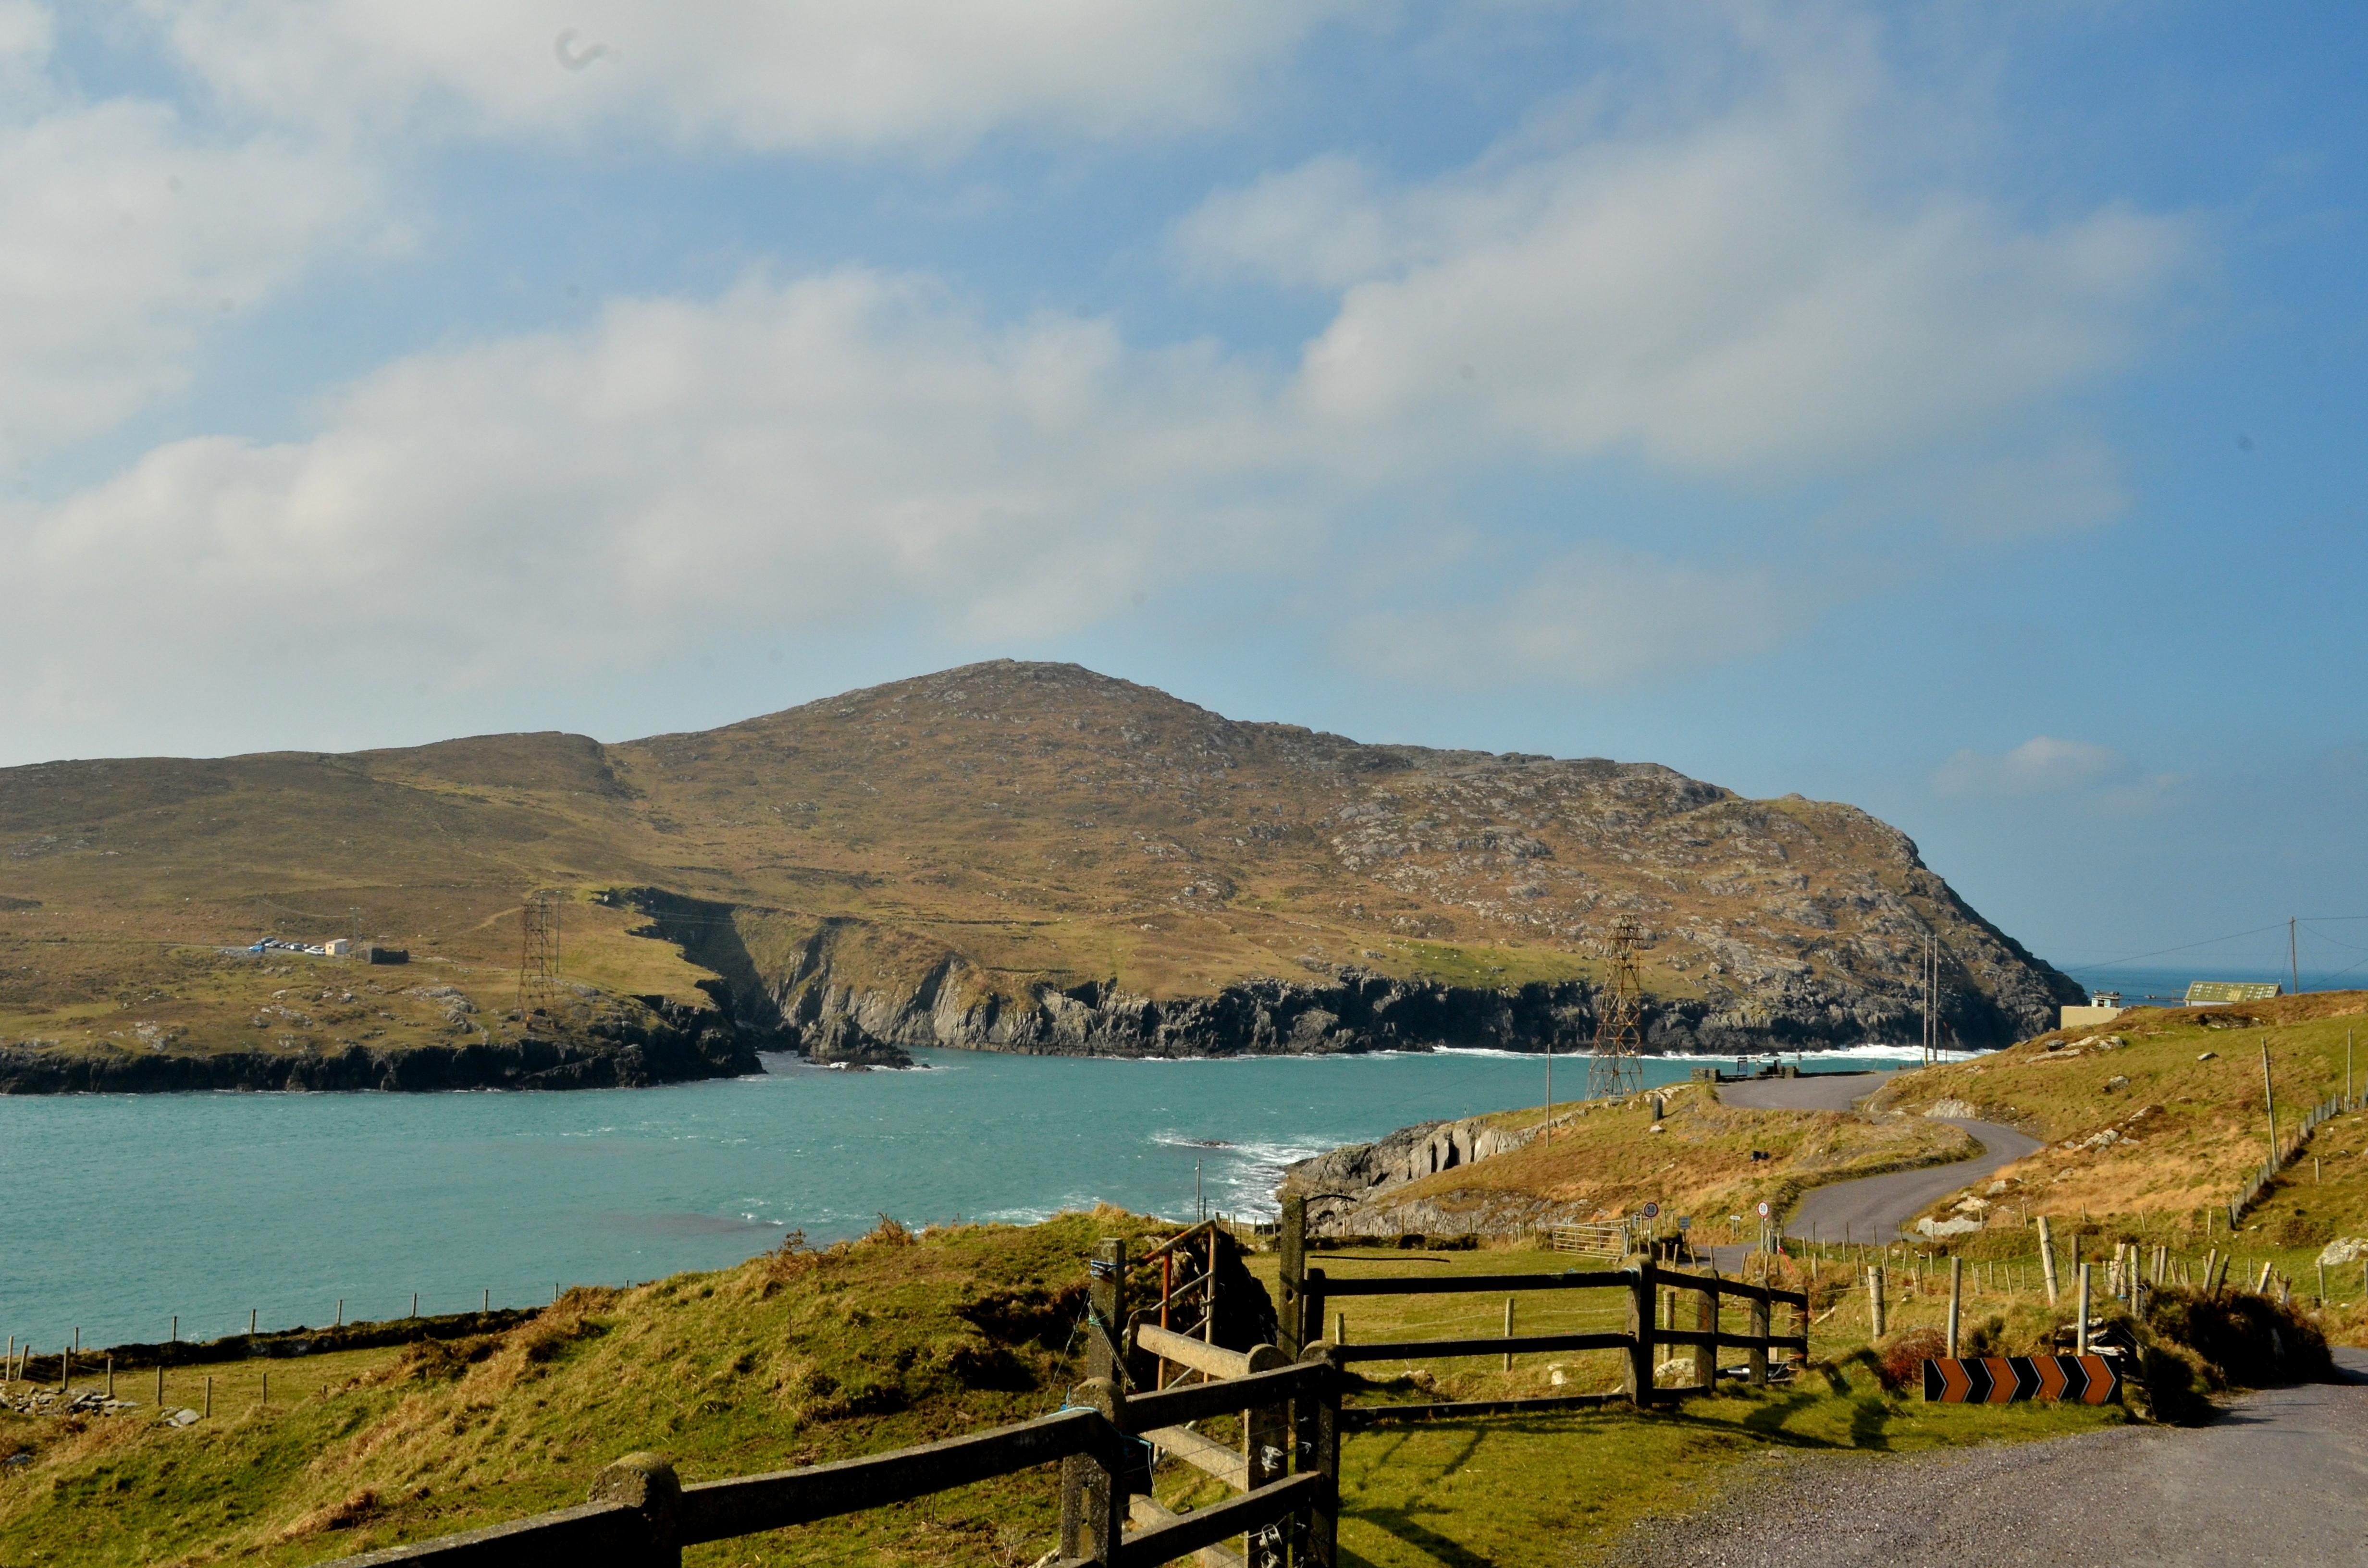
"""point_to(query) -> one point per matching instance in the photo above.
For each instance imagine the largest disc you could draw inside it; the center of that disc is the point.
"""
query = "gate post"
(1291, 1247)
(1758, 1356)
(1093, 1485)
(1706, 1319)
(646, 1483)
(1319, 1424)
(1641, 1292)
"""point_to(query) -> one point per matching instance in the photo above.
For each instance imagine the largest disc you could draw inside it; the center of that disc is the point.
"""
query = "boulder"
(2342, 1250)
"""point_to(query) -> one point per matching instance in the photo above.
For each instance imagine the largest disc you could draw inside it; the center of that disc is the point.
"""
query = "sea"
(130, 1217)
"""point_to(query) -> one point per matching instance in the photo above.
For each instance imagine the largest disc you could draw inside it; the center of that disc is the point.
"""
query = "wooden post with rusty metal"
(1092, 1498)
(1093, 1485)
(2047, 1257)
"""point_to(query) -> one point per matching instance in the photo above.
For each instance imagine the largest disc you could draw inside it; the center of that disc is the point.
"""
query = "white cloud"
(817, 76)
(1595, 618)
(1754, 293)
(806, 457)
(127, 239)
(2041, 765)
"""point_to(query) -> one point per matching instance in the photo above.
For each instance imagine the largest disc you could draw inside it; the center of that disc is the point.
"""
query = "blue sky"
(1951, 410)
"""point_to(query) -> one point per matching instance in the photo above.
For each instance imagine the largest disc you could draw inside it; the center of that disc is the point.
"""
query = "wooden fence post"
(1291, 1247)
(1088, 1481)
(2080, 1334)
(1311, 1296)
(1319, 1435)
(646, 1483)
(2047, 1257)
(1756, 1358)
(1641, 1291)
(1706, 1319)
(1875, 1313)
(1956, 1291)
(1508, 1315)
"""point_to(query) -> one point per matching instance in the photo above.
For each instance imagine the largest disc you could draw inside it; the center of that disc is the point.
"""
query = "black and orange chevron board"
(2004, 1380)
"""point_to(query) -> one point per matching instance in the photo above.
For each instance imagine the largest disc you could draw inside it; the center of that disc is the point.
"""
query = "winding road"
(2282, 1473)
(1872, 1209)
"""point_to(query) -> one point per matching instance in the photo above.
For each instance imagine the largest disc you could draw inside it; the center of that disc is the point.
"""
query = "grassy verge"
(1704, 1159)
(803, 1357)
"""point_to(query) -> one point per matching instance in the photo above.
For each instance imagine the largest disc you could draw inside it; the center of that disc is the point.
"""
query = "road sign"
(1652, 1210)
(1764, 1209)
(1685, 1221)
(2009, 1379)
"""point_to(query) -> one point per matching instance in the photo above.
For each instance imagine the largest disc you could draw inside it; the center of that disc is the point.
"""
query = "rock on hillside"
(1036, 858)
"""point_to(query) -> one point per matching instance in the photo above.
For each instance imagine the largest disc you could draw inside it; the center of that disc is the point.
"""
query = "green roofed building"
(2219, 992)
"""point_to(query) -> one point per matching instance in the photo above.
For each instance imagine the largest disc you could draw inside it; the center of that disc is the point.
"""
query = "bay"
(125, 1211)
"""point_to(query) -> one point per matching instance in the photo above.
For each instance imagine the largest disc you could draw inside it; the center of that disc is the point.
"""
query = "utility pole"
(2294, 956)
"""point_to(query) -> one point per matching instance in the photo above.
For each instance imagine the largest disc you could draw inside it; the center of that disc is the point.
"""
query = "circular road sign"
(1652, 1210)
(1764, 1209)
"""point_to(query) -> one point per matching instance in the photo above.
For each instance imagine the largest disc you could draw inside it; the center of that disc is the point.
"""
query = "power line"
(2159, 952)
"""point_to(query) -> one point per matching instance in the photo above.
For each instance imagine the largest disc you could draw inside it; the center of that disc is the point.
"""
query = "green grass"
(1456, 1493)
(808, 1356)
(1605, 1158)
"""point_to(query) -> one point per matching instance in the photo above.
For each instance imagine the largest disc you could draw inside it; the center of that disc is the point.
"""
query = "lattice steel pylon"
(1616, 1067)
(537, 954)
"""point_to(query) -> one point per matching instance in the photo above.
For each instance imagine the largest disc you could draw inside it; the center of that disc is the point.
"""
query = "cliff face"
(819, 1007)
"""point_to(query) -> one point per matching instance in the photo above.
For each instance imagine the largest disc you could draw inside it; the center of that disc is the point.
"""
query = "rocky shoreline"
(1345, 1010)
(671, 1044)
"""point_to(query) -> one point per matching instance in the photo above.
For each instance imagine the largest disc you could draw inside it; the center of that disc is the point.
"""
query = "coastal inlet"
(209, 1206)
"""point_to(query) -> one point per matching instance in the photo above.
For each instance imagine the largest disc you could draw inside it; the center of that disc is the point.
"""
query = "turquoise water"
(123, 1211)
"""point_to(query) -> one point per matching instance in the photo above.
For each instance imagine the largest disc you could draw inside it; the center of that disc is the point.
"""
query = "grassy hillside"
(2178, 1090)
(805, 1357)
(1704, 1160)
(924, 854)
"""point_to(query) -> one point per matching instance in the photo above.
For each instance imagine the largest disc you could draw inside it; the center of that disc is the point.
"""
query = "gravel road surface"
(1874, 1207)
(2281, 1476)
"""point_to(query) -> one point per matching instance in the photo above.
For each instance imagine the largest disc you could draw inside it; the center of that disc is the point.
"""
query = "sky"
(1955, 410)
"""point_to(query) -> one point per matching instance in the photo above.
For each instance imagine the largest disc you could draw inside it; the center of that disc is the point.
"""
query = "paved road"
(1874, 1207)
(2281, 1476)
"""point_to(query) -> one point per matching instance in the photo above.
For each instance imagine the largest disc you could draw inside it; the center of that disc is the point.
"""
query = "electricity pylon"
(1616, 1068)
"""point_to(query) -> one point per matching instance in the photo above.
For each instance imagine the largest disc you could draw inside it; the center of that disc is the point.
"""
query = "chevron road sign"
(2004, 1380)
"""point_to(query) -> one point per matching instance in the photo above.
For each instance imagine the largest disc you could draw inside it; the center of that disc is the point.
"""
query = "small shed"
(2220, 993)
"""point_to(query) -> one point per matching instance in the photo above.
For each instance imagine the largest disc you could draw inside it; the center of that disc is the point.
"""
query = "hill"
(1007, 856)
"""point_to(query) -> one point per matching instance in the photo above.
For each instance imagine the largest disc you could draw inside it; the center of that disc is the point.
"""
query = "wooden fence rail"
(1306, 1292)
(1286, 1473)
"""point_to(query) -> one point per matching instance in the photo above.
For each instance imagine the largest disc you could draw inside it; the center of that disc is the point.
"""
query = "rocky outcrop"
(841, 1041)
(666, 1043)
(1346, 1189)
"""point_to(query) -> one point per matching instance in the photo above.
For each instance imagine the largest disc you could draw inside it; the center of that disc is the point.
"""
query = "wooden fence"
(1306, 1292)
(2288, 1153)
(1284, 1475)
